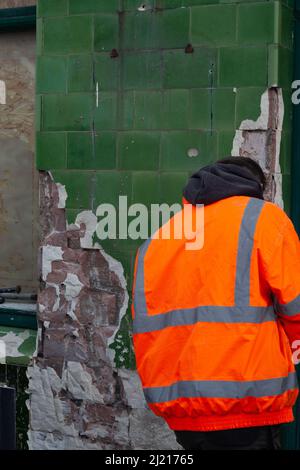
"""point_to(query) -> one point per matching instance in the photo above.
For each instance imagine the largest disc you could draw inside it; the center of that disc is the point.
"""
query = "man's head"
(247, 162)
(231, 176)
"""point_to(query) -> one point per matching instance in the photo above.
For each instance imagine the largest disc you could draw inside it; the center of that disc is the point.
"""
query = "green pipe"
(17, 19)
(17, 319)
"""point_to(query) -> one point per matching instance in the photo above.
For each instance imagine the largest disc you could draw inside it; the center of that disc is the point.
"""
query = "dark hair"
(249, 163)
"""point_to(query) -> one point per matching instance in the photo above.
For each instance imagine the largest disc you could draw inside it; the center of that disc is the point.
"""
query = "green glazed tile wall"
(172, 76)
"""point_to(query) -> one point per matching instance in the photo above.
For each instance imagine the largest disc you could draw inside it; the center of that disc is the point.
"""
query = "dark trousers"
(253, 438)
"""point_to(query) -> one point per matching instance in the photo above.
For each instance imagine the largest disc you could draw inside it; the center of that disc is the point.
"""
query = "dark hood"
(219, 181)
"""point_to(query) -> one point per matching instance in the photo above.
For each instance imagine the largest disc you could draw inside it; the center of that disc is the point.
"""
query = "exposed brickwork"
(79, 301)
(261, 140)
(78, 333)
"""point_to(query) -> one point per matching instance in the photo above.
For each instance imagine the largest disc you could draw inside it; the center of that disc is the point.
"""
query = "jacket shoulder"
(273, 214)
(274, 227)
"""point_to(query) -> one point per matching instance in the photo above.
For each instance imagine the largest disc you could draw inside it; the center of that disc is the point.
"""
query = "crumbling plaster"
(78, 398)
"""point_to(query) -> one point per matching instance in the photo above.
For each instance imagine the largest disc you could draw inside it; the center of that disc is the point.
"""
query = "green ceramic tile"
(199, 2)
(67, 35)
(286, 61)
(80, 150)
(225, 142)
(67, 112)
(128, 244)
(145, 188)
(126, 111)
(50, 150)
(52, 7)
(139, 150)
(147, 109)
(280, 66)
(183, 3)
(256, 23)
(200, 115)
(88, 151)
(243, 66)
(248, 104)
(288, 109)
(142, 70)
(273, 65)
(175, 109)
(39, 36)
(106, 35)
(110, 185)
(286, 152)
(171, 186)
(183, 70)
(213, 25)
(107, 71)
(141, 30)
(71, 215)
(38, 112)
(106, 112)
(78, 187)
(129, 5)
(93, 6)
(223, 114)
(80, 73)
(177, 147)
(287, 27)
(157, 29)
(287, 192)
(105, 150)
(51, 74)
(168, 3)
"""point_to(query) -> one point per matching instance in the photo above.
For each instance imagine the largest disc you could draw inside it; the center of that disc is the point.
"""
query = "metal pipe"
(8, 290)
(19, 296)
(14, 19)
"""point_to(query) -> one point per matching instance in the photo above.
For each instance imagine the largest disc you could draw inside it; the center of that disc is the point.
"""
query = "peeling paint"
(73, 287)
(13, 342)
(278, 199)
(49, 254)
(62, 194)
(79, 399)
(89, 219)
(116, 267)
(255, 139)
(79, 383)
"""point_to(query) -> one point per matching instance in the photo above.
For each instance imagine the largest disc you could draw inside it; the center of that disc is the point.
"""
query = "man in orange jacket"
(214, 328)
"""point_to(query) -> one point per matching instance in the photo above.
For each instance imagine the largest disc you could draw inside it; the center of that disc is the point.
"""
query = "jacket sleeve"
(133, 284)
(283, 276)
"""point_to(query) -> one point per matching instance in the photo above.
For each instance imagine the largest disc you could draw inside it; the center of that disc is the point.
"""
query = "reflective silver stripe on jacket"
(190, 316)
(221, 389)
(140, 306)
(290, 308)
(245, 248)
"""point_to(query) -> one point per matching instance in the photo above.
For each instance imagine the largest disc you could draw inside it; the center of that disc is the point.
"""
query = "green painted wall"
(155, 100)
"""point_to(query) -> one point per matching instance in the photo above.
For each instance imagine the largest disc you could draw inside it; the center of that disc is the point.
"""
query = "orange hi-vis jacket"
(213, 328)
